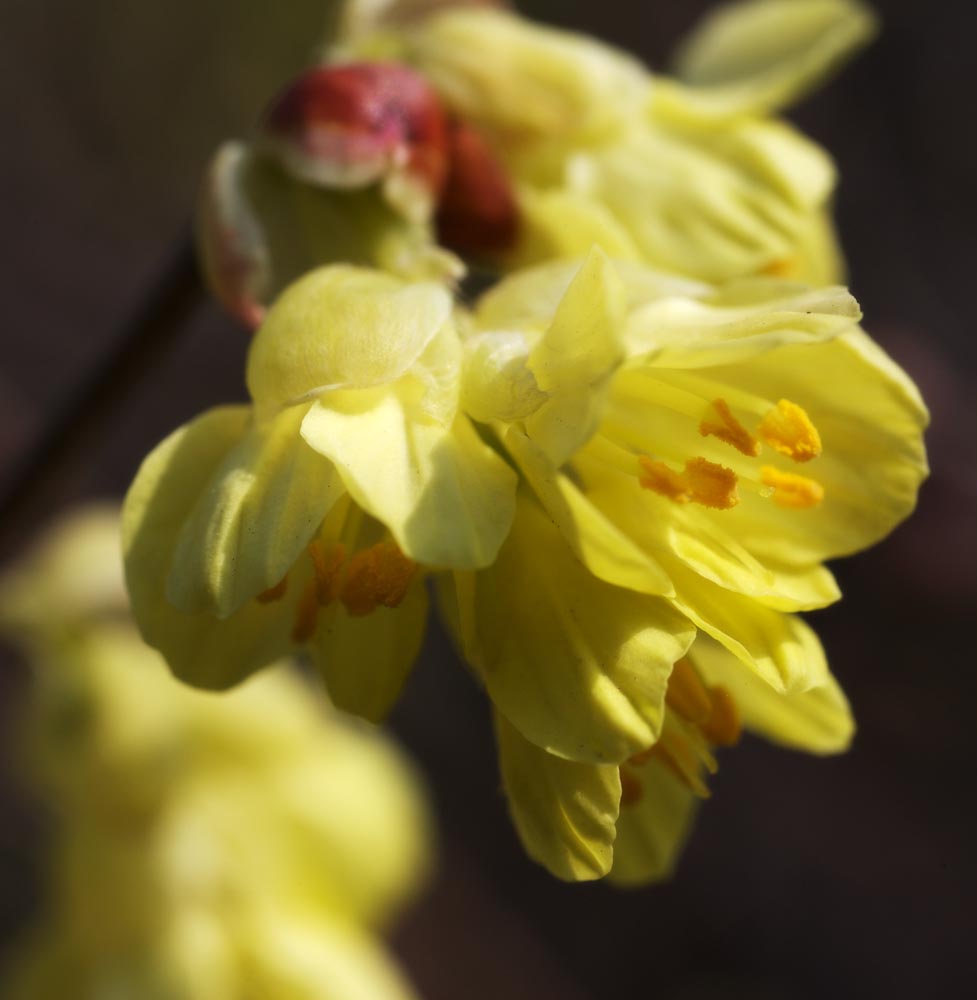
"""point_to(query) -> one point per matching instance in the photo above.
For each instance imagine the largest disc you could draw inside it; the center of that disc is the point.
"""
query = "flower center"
(660, 428)
(377, 576)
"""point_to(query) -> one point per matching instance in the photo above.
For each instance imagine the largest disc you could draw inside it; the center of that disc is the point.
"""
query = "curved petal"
(579, 666)
(759, 55)
(818, 720)
(737, 323)
(447, 497)
(199, 648)
(596, 541)
(575, 357)
(780, 648)
(565, 812)
(342, 326)
(257, 512)
(652, 830)
(712, 204)
(367, 659)
(527, 78)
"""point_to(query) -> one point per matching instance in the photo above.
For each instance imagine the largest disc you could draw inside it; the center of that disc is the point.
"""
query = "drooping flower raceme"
(309, 518)
(691, 175)
(688, 458)
(208, 849)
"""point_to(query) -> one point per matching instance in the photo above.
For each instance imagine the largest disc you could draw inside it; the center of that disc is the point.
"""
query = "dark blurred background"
(805, 878)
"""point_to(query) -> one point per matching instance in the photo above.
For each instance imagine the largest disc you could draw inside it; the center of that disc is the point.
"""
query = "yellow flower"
(691, 175)
(209, 848)
(688, 458)
(308, 518)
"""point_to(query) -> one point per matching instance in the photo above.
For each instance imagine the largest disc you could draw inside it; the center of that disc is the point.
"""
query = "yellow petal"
(700, 204)
(577, 665)
(780, 648)
(199, 648)
(565, 812)
(342, 327)
(607, 552)
(818, 720)
(652, 829)
(758, 55)
(526, 78)
(556, 223)
(496, 381)
(257, 512)
(446, 496)
(740, 322)
(582, 344)
(367, 659)
(575, 357)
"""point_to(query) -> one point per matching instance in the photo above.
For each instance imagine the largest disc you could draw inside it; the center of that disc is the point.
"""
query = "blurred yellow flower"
(691, 175)
(209, 848)
(688, 458)
(308, 518)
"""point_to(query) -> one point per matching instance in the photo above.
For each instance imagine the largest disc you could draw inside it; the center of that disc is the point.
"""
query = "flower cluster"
(208, 848)
(620, 470)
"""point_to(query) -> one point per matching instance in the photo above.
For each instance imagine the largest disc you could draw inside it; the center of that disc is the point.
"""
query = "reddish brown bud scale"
(352, 124)
(478, 213)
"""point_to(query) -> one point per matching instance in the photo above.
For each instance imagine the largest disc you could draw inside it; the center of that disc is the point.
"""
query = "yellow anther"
(722, 727)
(790, 490)
(631, 788)
(275, 593)
(788, 429)
(700, 482)
(720, 423)
(379, 575)
(659, 478)
(712, 485)
(687, 695)
(306, 613)
(328, 568)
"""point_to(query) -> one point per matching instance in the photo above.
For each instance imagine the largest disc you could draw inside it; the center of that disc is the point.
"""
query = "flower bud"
(352, 125)
(478, 212)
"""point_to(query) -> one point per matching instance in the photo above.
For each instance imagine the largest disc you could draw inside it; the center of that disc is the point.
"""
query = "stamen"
(790, 490)
(788, 429)
(701, 482)
(631, 789)
(712, 485)
(275, 593)
(327, 567)
(659, 478)
(379, 575)
(722, 727)
(721, 423)
(687, 695)
(306, 613)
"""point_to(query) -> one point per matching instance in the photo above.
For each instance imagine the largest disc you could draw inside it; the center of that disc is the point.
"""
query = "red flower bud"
(478, 213)
(355, 124)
